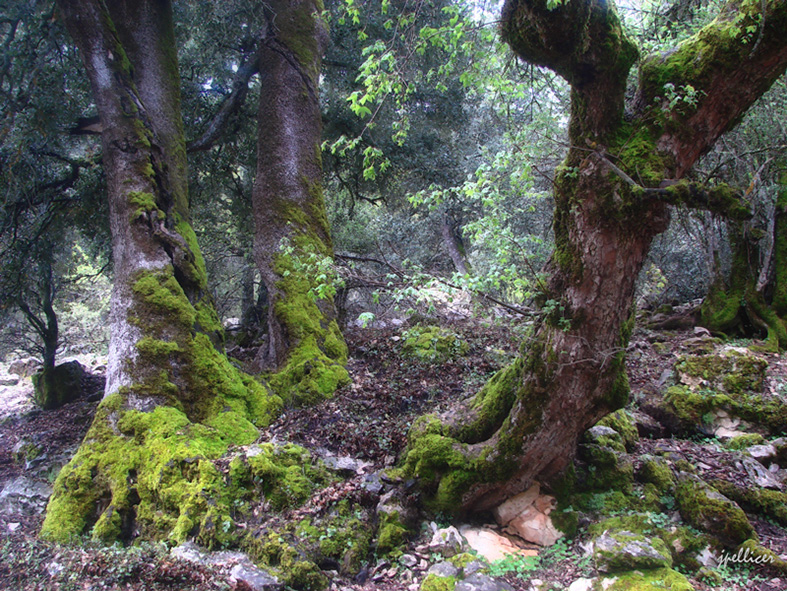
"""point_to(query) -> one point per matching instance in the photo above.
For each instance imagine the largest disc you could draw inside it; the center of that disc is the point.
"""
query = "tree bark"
(612, 195)
(305, 352)
(171, 395)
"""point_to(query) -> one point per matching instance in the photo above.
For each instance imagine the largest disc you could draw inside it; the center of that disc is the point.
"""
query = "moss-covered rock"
(434, 582)
(432, 344)
(708, 510)
(651, 580)
(624, 425)
(656, 471)
(770, 503)
(623, 550)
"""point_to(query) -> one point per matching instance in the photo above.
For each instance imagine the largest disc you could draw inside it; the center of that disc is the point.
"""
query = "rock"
(473, 567)
(344, 465)
(8, 381)
(443, 569)
(625, 550)
(447, 541)
(237, 565)
(24, 368)
(514, 506)
(764, 454)
(479, 582)
(536, 527)
(647, 426)
(760, 475)
(490, 545)
(707, 509)
(408, 560)
(255, 578)
(581, 585)
(24, 496)
(708, 558)
(373, 483)
(56, 387)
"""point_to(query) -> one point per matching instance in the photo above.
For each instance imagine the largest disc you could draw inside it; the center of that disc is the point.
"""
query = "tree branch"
(217, 125)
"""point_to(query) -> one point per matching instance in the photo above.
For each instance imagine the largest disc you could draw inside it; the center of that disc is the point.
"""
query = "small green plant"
(556, 553)
(519, 565)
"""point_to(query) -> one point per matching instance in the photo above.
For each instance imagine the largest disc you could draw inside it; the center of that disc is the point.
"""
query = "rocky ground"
(629, 504)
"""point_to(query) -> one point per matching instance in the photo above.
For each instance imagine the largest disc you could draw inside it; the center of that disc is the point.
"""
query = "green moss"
(755, 553)
(314, 368)
(433, 582)
(143, 203)
(432, 344)
(652, 580)
(743, 441)
(391, 533)
(462, 560)
(622, 422)
(288, 474)
(566, 521)
(771, 503)
(657, 472)
(708, 510)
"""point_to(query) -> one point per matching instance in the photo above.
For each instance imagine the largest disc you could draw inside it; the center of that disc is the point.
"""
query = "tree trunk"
(305, 352)
(453, 244)
(751, 301)
(612, 195)
(172, 399)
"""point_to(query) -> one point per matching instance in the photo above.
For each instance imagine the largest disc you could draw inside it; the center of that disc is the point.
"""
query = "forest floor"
(366, 420)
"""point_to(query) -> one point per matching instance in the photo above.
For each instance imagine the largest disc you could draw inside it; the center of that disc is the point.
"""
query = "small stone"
(13, 526)
(443, 569)
(255, 578)
(473, 567)
(480, 582)
(373, 483)
(581, 585)
(447, 541)
(408, 560)
(8, 381)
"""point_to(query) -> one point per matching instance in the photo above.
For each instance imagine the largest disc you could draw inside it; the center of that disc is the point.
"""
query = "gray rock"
(24, 367)
(373, 483)
(760, 475)
(24, 496)
(447, 541)
(344, 465)
(8, 381)
(762, 453)
(473, 567)
(479, 582)
(443, 569)
(625, 550)
(408, 560)
(255, 578)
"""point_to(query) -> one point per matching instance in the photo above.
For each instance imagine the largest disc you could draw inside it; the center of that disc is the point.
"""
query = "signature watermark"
(744, 556)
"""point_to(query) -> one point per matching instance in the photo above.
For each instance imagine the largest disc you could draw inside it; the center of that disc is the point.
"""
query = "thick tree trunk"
(305, 352)
(170, 394)
(612, 195)
(744, 304)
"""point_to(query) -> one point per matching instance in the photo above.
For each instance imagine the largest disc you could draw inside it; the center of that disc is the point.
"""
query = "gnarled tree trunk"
(305, 352)
(612, 195)
(752, 301)
(173, 401)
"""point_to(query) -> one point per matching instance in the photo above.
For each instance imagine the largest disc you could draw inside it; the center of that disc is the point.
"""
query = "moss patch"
(432, 344)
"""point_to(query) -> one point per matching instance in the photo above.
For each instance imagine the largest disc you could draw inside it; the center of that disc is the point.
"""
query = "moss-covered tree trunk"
(172, 401)
(625, 167)
(305, 352)
(743, 303)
